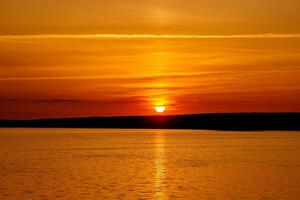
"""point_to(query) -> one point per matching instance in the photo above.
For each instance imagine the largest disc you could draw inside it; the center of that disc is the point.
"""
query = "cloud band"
(148, 36)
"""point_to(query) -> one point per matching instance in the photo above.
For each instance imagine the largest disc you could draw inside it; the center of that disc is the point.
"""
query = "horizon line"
(149, 115)
(150, 36)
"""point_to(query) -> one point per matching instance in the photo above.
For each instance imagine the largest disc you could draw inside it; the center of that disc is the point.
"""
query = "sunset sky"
(73, 58)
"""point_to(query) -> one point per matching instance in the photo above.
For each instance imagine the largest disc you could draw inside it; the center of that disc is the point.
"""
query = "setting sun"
(160, 109)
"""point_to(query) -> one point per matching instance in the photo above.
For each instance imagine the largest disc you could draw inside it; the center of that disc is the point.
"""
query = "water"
(148, 164)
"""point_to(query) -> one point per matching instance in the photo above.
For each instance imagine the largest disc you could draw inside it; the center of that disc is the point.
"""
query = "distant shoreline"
(218, 121)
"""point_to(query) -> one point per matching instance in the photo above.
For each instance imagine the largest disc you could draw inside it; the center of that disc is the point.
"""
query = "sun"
(160, 109)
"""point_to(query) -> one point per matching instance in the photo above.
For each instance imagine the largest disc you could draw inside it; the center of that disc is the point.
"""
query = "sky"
(75, 58)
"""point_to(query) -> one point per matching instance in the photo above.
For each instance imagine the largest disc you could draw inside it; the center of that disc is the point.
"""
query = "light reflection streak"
(160, 171)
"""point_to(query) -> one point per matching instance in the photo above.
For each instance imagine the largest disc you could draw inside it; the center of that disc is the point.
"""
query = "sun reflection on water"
(160, 172)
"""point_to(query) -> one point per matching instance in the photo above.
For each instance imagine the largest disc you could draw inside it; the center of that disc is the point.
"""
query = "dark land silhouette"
(222, 121)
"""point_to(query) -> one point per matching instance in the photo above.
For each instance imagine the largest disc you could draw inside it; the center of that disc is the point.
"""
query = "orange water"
(148, 164)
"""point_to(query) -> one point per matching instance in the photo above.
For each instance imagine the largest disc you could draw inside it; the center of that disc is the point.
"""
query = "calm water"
(148, 164)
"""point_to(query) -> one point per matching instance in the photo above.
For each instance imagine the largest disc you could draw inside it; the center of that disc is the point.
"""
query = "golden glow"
(139, 55)
(160, 109)
(160, 172)
(67, 78)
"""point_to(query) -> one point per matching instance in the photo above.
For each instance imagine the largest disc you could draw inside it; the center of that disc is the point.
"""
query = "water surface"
(148, 164)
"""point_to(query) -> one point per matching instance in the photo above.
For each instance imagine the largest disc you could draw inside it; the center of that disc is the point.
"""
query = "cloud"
(150, 36)
(112, 100)
(125, 79)
(59, 101)
(16, 100)
(9, 100)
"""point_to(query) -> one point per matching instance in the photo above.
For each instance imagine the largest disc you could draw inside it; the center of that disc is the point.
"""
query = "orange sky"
(63, 58)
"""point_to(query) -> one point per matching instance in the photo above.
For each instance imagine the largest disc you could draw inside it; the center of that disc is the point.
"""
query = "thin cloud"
(149, 36)
(139, 78)
(119, 78)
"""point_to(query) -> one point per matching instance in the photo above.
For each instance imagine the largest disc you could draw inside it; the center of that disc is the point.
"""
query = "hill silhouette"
(221, 121)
